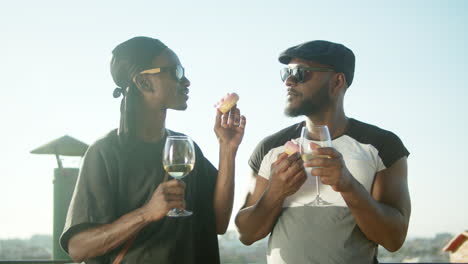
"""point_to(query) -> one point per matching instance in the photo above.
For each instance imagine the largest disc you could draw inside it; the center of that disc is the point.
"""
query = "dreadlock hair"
(128, 59)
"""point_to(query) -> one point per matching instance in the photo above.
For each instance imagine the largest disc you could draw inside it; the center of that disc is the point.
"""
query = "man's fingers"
(295, 167)
(234, 116)
(242, 122)
(218, 118)
(176, 204)
(326, 180)
(173, 197)
(314, 146)
(230, 119)
(294, 157)
(224, 119)
(280, 158)
(173, 183)
(281, 163)
(174, 190)
(332, 152)
(319, 162)
(322, 172)
(300, 176)
(284, 164)
(288, 161)
(237, 117)
(298, 180)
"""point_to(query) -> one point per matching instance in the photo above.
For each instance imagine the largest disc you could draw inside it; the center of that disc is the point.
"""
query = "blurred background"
(411, 64)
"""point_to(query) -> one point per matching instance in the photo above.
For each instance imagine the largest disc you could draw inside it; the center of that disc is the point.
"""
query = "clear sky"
(410, 76)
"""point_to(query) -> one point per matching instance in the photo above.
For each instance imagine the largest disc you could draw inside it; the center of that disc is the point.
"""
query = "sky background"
(411, 67)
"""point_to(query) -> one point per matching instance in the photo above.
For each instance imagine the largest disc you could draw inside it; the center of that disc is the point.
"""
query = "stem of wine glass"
(317, 182)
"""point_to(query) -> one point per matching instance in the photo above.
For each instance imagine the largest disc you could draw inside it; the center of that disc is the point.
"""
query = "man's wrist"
(273, 197)
(145, 215)
(349, 195)
(350, 184)
(226, 149)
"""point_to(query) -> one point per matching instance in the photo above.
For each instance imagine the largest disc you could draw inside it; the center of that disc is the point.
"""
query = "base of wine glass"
(175, 212)
(318, 201)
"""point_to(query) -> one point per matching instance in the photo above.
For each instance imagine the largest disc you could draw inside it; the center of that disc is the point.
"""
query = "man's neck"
(151, 126)
(335, 119)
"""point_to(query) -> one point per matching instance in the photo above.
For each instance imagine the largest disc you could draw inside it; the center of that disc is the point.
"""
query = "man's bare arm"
(229, 129)
(259, 214)
(384, 217)
(224, 190)
(97, 241)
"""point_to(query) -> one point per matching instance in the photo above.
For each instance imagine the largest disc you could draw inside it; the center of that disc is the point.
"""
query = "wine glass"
(320, 136)
(178, 161)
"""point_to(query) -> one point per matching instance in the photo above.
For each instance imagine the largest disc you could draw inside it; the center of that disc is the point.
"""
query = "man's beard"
(312, 106)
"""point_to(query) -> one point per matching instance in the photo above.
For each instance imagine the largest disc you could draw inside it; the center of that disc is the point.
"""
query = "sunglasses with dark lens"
(298, 73)
(178, 71)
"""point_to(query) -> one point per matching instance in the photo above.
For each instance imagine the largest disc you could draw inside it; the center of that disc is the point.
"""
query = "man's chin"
(180, 107)
(292, 112)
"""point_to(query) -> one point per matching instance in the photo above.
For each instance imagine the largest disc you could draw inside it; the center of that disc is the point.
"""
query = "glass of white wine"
(178, 161)
(320, 136)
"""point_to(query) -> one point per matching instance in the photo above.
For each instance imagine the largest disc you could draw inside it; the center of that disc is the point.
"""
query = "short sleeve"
(256, 158)
(92, 201)
(211, 174)
(265, 167)
(273, 141)
(208, 175)
(392, 149)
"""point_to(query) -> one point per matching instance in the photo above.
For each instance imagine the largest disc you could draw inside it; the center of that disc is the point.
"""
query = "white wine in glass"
(178, 161)
(320, 136)
(178, 171)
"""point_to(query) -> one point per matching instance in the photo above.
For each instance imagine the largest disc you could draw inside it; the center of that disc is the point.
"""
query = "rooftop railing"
(35, 261)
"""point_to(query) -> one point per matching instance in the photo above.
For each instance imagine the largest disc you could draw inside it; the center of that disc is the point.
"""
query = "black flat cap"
(336, 55)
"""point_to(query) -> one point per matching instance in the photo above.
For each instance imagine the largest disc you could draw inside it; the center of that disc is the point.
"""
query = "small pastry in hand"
(227, 102)
(291, 148)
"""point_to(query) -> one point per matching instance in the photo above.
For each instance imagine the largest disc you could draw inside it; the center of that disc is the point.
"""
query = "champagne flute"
(320, 136)
(178, 161)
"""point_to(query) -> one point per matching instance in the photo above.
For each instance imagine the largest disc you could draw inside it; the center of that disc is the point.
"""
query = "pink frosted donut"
(291, 148)
(227, 102)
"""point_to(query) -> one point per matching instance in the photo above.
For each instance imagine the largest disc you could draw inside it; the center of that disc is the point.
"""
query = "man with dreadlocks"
(117, 213)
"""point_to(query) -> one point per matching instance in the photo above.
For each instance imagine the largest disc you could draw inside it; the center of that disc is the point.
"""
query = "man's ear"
(143, 84)
(338, 83)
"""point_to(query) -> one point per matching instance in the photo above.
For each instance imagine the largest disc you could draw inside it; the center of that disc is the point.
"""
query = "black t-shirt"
(117, 178)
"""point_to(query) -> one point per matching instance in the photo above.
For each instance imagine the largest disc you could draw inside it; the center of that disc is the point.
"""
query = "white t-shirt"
(326, 234)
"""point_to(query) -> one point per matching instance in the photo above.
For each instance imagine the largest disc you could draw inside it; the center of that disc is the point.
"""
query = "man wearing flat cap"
(363, 193)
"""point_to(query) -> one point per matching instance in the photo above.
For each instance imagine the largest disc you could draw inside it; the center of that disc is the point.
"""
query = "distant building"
(458, 248)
